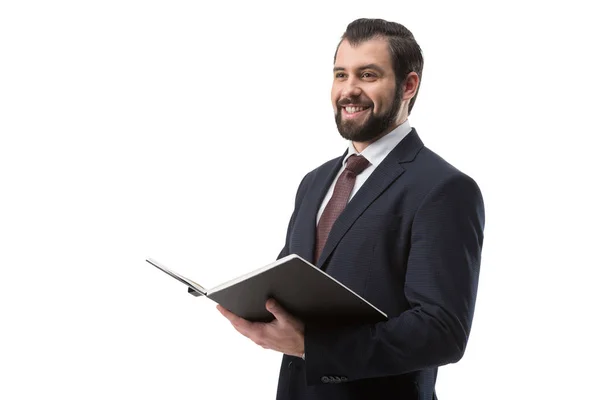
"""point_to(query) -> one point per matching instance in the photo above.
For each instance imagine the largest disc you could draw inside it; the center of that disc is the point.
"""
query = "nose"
(351, 88)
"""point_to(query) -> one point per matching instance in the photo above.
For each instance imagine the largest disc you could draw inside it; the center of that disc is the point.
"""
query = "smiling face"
(364, 95)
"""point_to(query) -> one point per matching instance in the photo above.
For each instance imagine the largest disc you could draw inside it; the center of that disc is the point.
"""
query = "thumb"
(275, 308)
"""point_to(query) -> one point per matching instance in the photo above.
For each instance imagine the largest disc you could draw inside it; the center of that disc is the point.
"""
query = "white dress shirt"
(375, 153)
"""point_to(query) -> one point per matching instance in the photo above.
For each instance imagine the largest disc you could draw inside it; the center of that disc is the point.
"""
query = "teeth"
(352, 110)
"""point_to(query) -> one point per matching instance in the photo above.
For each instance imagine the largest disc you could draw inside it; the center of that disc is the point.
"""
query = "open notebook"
(301, 288)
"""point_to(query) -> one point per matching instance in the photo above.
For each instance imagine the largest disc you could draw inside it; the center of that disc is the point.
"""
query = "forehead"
(373, 51)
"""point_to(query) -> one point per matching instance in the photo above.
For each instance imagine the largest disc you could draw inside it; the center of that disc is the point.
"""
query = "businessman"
(391, 220)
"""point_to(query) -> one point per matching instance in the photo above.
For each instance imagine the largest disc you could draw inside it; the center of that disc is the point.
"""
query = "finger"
(277, 310)
(226, 313)
(256, 333)
(242, 331)
(237, 322)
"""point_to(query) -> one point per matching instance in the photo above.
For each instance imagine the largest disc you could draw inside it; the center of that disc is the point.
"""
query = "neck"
(361, 146)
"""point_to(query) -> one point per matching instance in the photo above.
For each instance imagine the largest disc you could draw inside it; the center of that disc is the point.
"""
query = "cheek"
(334, 100)
(382, 104)
(334, 97)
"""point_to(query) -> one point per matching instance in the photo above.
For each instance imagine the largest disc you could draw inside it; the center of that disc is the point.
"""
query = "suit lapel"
(307, 219)
(384, 175)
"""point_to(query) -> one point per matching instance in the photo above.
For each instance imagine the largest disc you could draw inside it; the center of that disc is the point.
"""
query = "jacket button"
(324, 379)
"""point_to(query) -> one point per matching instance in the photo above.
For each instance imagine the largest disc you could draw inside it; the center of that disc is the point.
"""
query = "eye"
(340, 75)
(368, 75)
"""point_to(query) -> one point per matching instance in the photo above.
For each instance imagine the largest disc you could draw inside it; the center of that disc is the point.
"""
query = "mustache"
(356, 102)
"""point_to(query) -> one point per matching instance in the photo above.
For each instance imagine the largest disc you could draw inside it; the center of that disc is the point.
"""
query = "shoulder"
(435, 170)
(444, 184)
(319, 173)
(429, 179)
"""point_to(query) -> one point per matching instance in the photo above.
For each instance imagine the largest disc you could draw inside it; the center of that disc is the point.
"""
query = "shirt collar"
(378, 150)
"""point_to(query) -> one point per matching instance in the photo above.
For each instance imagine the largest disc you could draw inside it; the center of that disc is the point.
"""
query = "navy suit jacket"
(410, 243)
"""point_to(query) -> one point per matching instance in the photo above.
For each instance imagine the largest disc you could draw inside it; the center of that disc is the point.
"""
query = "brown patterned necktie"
(341, 193)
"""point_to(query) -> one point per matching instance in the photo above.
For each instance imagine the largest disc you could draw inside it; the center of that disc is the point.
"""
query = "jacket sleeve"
(441, 284)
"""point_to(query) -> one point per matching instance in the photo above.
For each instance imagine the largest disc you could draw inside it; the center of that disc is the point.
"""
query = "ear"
(410, 86)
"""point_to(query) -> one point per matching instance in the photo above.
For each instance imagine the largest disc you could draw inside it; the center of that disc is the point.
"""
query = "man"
(391, 220)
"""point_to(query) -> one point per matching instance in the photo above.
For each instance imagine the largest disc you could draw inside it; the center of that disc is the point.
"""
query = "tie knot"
(357, 164)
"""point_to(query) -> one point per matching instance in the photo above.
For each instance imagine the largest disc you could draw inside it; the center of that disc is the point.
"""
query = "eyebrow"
(368, 66)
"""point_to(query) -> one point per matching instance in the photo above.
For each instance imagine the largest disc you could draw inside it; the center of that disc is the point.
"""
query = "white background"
(180, 131)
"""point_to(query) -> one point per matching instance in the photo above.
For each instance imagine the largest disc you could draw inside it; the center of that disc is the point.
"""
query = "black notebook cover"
(301, 288)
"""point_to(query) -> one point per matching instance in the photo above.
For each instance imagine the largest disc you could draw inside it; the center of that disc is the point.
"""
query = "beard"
(375, 125)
